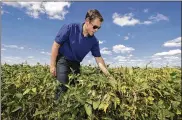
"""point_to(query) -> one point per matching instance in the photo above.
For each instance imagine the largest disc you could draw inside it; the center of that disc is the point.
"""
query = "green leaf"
(101, 106)
(157, 91)
(89, 101)
(96, 104)
(173, 73)
(79, 99)
(26, 91)
(150, 98)
(4, 97)
(17, 108)
(123, 89)
(10, 103)
(175, 104)
(19, 95)
(144, 85)
(130, 71)
(127, 114)
(160, 102)
(88, 109)
(39, 112)
(34, 90)
(178, 112)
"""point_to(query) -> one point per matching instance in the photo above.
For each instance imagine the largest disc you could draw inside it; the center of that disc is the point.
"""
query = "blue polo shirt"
(74, 46)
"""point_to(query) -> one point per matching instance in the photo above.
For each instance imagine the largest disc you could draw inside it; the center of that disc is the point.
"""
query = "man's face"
(93, 26)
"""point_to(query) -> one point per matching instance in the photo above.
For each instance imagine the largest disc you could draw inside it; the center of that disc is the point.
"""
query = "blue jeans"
(63, 68)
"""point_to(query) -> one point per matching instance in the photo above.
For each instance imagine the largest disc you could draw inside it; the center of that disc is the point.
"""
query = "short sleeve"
(63, 34)
(95, 50)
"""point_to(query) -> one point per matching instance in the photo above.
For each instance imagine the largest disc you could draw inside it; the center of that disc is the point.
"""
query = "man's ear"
(87, 20)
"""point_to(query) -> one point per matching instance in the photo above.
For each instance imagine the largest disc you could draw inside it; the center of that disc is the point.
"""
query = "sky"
(132, 34)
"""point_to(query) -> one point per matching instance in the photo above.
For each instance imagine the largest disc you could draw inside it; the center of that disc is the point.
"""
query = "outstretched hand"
(112, 81)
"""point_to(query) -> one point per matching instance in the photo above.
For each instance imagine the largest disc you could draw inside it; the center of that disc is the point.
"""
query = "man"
(72, 43)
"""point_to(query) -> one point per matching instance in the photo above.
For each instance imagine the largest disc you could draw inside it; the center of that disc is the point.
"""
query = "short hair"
(93, 14)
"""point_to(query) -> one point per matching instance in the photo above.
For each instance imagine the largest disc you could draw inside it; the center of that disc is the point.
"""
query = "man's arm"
(54, 53)
(102, 66)
(61, 37)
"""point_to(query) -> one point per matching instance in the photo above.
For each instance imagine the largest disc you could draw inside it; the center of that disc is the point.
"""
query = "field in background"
(27, 93)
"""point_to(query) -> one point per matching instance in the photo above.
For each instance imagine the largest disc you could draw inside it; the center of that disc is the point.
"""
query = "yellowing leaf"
(101, 106)
(89, 101)
(123, 89)
(26, 91)
(96, 104)
(34, 90)
(150, 98)
(105, 107)
(88, 109)
(178, 112)
(127, 114)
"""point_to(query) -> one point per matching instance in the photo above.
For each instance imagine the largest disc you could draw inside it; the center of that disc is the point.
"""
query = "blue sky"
(132, 34)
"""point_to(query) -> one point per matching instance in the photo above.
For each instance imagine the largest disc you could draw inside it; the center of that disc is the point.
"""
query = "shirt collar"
(81, 29)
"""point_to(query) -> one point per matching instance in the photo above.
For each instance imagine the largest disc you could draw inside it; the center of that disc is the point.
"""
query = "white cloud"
(156, 58)
(163, 60)
(152, 61)
(30, 57)
(45, 53)
(122, 49)
(3, 11)
(120, 58)
(105, 51)
(19, 19)
(89, 61)
(146, 10)
(54, 10)
(12, 59)
(173, 43)
(129, 20)
(147, 22)
(20, 59)
(129, 56)
(169, 53)
(126, 38)
(13, 46)
(101, 42)
(3, 49)
(155, 18)
(125, 20)
(172, 58)
(87, 56)
(158, 17)
(136, 60)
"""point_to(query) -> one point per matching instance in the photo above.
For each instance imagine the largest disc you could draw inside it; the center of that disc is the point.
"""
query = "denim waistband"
(61, 55)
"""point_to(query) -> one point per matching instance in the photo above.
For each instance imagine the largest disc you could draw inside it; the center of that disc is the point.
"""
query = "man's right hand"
(54, 53)
(53, 70)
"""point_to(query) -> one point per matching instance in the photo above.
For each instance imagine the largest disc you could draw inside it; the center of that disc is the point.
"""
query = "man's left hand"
(112, 81)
